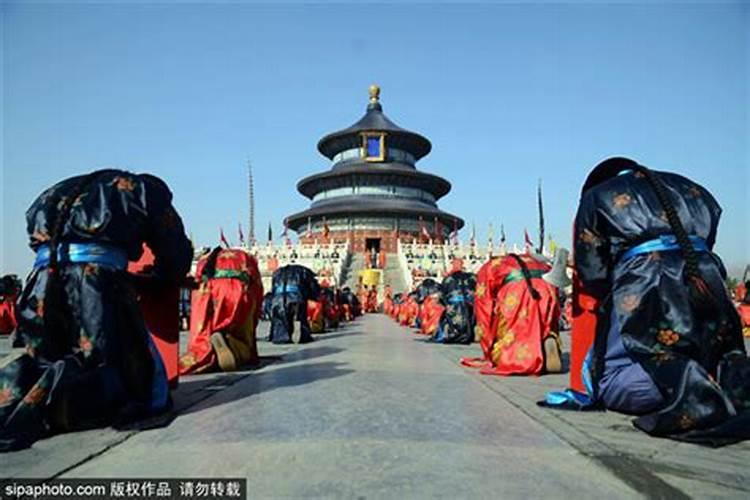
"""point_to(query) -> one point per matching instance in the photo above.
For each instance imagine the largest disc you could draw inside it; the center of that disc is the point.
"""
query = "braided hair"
(56, 316)
(209, 270)
(700, 296)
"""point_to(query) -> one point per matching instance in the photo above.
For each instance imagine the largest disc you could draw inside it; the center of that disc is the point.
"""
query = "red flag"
(527, 240)
(454, 234)
(423, 232)
(326, 229)
(223, 238)
(285, 234)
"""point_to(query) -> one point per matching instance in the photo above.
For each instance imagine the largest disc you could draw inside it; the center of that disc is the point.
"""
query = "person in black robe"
(426, 288)
(332, 308)
(266, 306)
(668, 343)
(292, 286)
(457, 323)
(349, 299)
(87, 359)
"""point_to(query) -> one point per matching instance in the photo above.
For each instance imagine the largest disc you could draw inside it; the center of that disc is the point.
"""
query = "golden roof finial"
(374, 93)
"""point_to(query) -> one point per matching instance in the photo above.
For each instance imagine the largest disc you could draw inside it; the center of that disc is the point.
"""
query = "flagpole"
(251, 203)
(540, 249)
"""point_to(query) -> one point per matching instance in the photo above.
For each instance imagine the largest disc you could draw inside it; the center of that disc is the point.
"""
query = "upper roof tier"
(374, 121)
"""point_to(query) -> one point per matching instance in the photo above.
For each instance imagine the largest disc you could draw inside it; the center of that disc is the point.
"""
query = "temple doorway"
(372, 244)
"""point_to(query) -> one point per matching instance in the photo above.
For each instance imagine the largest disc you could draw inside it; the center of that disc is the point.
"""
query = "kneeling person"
(89, 360)
(517, 316)
(667, 341)
(225, 311)
(293, 286)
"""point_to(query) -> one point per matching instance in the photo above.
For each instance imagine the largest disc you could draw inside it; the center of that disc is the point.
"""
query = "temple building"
(373, 194)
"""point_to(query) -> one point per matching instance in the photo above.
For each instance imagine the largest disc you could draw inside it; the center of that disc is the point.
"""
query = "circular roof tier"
(374, 121)
(386, 173)
(354, 206)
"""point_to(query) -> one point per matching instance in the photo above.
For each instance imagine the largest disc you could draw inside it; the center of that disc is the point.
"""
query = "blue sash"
(280, 290)
(456, 299)
(574, 400)
(84, 253)
(664, 243)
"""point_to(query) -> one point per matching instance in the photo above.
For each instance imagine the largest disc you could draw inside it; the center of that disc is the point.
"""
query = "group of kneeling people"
(111, 253)
(508, 307)
(654, 331)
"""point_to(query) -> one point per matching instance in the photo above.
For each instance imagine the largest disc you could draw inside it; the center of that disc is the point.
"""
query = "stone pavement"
(371, 411)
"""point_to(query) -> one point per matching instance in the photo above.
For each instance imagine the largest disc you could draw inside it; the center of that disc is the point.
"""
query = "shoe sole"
(552, 361)
(227, 362)
(296, 331)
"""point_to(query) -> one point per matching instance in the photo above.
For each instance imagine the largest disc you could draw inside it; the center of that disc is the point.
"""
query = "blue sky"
(507, 93)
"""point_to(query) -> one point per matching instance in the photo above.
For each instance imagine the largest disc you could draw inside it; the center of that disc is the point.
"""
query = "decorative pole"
(540, 248)
(251, 202)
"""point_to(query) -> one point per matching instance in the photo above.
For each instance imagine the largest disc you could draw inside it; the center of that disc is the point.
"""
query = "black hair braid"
(55, 311)
(526, 276)
(209, 270)
(701, 299)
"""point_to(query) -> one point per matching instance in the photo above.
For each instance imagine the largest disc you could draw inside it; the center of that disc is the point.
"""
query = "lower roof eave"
(298, 221)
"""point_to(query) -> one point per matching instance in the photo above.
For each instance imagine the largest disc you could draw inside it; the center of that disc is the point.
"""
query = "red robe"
(740, 292)
(582, 333)
(408, 312)
(371, 305)
(160, 308)
(346, 312)
(395, 311)
(744, 310)
(430, 315)
(229, 302)
(362, 298)
(315, 310)
(7, 314)
(511, 323)
(387, 301)
(333, 311)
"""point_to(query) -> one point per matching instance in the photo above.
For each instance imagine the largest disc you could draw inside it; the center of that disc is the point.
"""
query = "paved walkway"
(371, 411)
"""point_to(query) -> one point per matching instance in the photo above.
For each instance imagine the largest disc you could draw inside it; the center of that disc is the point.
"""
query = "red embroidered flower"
(667, 336)
(686, 422)
(5, 395)
(35, 395)
(85, 344)
(40, 308)
(589, 237)
(622, 200)
(123, 184)
(40, 236)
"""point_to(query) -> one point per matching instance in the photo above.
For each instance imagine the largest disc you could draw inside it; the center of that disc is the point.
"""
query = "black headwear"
(606, 170)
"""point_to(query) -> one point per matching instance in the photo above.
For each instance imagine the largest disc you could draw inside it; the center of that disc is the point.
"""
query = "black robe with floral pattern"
(98, 368)
(457, 323)
(292, 287)
(698, 365)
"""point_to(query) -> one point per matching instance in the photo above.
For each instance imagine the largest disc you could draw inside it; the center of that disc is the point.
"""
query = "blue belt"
(83, 253)
(664, 243)
(456, 299)
(279, 290)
